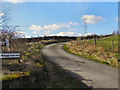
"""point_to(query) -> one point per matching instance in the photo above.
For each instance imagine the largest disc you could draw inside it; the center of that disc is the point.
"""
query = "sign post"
(10, 55)
(2, 43)
(7, 43)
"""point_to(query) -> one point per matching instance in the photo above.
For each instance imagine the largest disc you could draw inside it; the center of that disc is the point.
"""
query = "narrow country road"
(89, 72)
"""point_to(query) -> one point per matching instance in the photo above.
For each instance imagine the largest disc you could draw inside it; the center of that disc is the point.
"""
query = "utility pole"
(1, 18)
(1, 44)
(85, 25)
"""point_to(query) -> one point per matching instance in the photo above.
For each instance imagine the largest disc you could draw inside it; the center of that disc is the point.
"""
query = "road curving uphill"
(89, 72)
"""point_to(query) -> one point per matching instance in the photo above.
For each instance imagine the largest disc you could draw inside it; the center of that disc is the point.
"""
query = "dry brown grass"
(97, 53)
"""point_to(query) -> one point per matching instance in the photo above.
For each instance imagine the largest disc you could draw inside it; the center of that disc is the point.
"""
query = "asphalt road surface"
(89, 72)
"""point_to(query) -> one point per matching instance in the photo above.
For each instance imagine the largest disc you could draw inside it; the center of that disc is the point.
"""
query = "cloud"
(92, 19)
(73, 29)
(66, 34)
(73, 23)
(2, 14)
(34, 32)
(35, 27)
(63, 25)
(47, 32)
(52, 27)
(19, 34)
(47, 28)
(117, 19)
(27, 36)
(14, 1)
(88, 34)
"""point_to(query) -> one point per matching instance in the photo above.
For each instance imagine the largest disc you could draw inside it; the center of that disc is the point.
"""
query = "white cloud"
(88, 34)
(20, 34)
(66, 34)
(34, 32)
(35, 27)
(117, 19)
(2, 14)
(73, 23)
(63, 25)
(73, 29)
(92, 19)
(47, 32)
(27, 36)
(15, 1)
(48, 27)
(58, 26)
(52, 27)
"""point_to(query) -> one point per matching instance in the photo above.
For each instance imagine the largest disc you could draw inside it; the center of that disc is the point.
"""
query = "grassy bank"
(34, 71)
(101, 52)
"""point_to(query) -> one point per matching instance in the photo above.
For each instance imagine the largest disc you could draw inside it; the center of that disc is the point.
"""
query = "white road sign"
(2, 43)
(9, 55)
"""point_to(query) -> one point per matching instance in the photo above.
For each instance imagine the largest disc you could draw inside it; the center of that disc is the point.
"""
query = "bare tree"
(9, 32)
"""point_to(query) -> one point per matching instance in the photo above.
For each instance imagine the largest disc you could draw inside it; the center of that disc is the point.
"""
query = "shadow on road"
(74, 75)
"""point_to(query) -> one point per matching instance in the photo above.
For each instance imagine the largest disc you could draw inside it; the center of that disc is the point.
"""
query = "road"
(89, 72)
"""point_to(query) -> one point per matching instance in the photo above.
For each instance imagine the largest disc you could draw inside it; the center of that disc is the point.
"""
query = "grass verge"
(84, 56)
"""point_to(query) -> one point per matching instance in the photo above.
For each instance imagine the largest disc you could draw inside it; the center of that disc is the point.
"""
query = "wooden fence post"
(117, 62)
(95, 41)
(112, 47)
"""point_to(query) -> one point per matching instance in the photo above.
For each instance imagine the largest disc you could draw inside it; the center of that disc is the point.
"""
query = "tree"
(8, 32)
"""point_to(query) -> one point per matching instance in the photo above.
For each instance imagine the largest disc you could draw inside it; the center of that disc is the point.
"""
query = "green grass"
(17, 75)
(107, 42)
(66, 48)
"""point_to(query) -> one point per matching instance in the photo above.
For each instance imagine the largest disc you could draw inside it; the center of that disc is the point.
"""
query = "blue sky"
(64, 18)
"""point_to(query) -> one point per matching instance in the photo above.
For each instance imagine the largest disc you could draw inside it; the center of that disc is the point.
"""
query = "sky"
(63, 18)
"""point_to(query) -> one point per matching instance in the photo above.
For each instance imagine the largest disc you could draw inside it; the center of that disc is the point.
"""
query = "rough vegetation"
(101, 52)
(33, 71)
